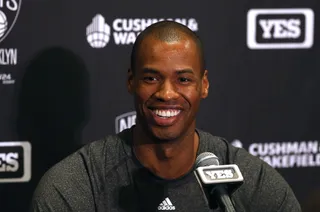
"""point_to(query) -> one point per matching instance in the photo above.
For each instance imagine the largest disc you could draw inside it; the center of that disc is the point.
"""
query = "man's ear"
(205, 85)
(130, 81)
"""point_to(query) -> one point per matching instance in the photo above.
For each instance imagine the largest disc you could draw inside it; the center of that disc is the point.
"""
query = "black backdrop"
(62, 81)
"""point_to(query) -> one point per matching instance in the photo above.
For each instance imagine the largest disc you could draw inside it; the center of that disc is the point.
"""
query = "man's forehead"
(154, 38)
(152, 46)
(170, 56)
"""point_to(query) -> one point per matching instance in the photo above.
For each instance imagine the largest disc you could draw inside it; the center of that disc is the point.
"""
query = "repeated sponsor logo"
(280, 28)
(6, 79)
(220, 174)
(125, 121)
(237, 143)
(9, 12)
(15, 161)
(214, 174)
(287, 154)
(124, 31)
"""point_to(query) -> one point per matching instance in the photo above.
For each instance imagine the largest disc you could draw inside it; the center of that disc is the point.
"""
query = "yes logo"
(280, 28)
(15, 161)
(220, 174)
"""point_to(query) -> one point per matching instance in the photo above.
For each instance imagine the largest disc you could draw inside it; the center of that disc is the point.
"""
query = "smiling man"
(149, 167)
(168, 80)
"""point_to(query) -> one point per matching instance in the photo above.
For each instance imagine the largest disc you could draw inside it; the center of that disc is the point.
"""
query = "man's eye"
(149, 79)
(184, 79)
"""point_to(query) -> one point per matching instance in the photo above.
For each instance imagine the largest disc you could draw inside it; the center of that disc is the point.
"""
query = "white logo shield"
(125, 121)
(9, 12)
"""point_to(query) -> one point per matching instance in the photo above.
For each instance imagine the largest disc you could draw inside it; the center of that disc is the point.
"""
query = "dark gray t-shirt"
(105, 176)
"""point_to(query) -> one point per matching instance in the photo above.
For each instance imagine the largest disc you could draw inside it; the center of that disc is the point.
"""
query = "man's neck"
(168, 160)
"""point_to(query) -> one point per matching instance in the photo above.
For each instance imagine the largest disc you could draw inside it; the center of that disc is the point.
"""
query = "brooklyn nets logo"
(9, 11)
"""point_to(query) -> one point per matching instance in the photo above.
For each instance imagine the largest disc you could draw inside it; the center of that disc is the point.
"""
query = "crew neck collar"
(127, 136)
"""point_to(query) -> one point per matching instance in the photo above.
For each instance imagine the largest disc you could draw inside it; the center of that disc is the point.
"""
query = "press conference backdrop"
(63, 68)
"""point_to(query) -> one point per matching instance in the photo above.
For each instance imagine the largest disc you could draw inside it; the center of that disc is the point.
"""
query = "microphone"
(209, 172)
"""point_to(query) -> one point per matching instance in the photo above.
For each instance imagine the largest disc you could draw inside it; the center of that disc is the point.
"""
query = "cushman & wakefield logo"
(280, 28)
(285, 154)
(124, 31)
(15, 161)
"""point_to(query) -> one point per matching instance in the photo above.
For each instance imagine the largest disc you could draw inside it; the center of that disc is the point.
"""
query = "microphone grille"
(206, 159)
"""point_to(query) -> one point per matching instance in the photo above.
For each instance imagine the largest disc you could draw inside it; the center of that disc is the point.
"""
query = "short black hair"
(167, 31)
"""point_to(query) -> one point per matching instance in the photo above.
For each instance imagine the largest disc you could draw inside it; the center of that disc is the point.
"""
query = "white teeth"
(167, 113)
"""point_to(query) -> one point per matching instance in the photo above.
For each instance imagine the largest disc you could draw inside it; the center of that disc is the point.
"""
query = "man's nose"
(167, 91)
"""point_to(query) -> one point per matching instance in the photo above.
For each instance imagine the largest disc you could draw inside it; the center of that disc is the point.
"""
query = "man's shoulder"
(80, 174)
(210, 141)
(263, 185)
(228, 153)
(111, 149)
(104, 152)
(219, 146)
(252, 167)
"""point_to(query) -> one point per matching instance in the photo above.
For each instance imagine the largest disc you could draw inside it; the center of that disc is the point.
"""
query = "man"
(150, 166)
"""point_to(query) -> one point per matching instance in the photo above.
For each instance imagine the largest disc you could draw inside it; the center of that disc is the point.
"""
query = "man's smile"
(165, 117)
(166, 113)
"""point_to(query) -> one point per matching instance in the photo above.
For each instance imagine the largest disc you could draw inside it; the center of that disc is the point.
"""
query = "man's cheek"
(145, 94)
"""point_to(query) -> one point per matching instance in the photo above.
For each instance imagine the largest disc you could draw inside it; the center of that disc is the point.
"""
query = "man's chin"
(165, 135)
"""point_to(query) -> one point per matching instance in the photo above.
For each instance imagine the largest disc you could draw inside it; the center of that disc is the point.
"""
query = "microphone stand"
(224, 201)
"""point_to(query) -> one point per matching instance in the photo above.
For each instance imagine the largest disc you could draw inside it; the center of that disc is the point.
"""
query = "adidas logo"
(166, 204)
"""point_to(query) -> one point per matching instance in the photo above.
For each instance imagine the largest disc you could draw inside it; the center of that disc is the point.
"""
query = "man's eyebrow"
(184, 71)
(150, 71)
(154, 71)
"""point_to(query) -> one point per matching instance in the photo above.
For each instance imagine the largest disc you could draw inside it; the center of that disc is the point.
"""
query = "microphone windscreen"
(206, 159)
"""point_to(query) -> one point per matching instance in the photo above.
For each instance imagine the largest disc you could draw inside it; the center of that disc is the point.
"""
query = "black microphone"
(215, 178)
